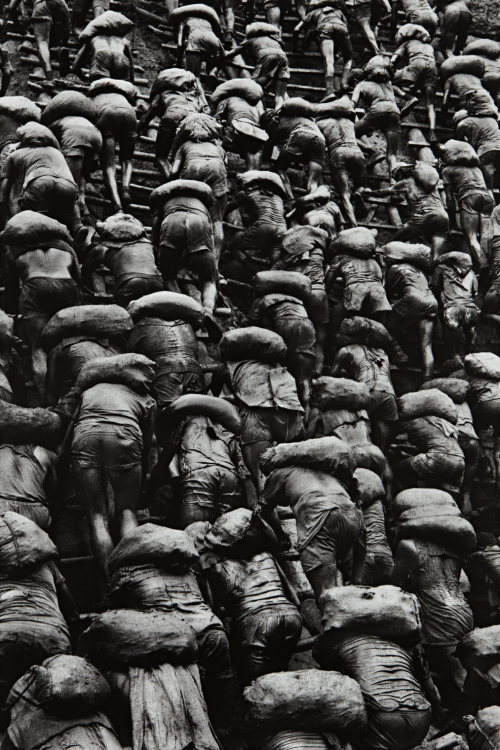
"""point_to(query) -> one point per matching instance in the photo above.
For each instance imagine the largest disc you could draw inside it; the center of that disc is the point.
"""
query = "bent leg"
(127, 485)
(41, 30)
(108, 165)
(425, 332)
(33, 328)
(471, 224)
(92, 488)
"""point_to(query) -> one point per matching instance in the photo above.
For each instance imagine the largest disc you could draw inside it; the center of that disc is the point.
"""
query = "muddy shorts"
(36, 512)
(415, 307)
(384, 406)
(265, 642)
(393, 730)
(366, 298)
(272, 66)
(211, 171)
(120, 124)
(299, 336)
(212, 488)
(203, 41)
(489, 158)
(109, 64)
(186, 232)
(318, 308)
(378, 570)
(419, 72)
(440, 469)
(387, 122)
(53, 196)
(457, 318)
(351, 160)
(429, 225)
(334, 539)
(477, 203)
(305, 146)
(112, 449)
(41, 297)
(360, 10)
(131, 289)
(454, 22)
(260, 424)
(258, 242)
(170, 385)
(51, 10)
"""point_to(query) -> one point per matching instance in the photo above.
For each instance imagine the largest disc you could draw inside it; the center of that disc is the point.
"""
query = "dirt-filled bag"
(69, 104)
(484, 731)
(114, 86)
(368, 487)
(454, 388)
(283, 282)
(411, 31)
(134, 370)
(199, 128)
(469, 64)
(195, 10)
(404, 252)
(298, 107)
(430, 403)
(245, 88)
(109, 23)
(483, 365)
(69, 686)
(172, 79)
(428, 511)
(31, 228)
(310, 699)
(167, 306)
(180, 189)
(459, 154)
(121, 228)
(252, 343)
(327, 454)
(261, 28)
(196, 404)
(357, 241)
(294, 740)
(169, 549)
(19, 425)
(268, 180)
(381, 611)
(484, 47)
(23, 544)
(422, 497)
(480, 649)
(241, 533)
(359, 330)
(101, 321)
(447, 530)
(341, 393)
(20, 108)
(128, 637)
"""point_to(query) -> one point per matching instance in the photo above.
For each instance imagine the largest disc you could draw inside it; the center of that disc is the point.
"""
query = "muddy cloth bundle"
(69, 686)
(445, 528)
(483, 365)
(403, 252)
(181, 189)
(366, 332)
(94, 321)
(454, 388)
(69, 104)
(20, 425)
(384, 612)
(484, 731)
(244, 88)
(172, 79)
(327, 454)
(309, 700)
(424, 498)
(133, 370)
(459, 154)
(358, 241)
(167, 306)
(252, 343)
(120, 228)
(293, 740)
(169, 549)
(341, 393)
(218, 410)
(114, 86)
(198, 128)
(22, 544)
(109, 23)
(32, 229)
(129, 637)
(283, 282)
(19, 108)
(428, 403)
(33, 725)
(484, 47)
(480, 649)
(241, 533)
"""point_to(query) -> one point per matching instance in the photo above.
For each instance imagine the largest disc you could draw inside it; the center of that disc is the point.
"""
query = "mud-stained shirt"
(21, 474)
(366, 365)
(265, 386)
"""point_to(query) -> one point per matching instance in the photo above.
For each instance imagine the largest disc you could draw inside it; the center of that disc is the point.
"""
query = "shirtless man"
(50, 280)
(328, 25)
(491, 304)
(303, 249)
(433, 573)
(51, 27)
(382, 113)
(428, 218)
(483, 135)
(183, 230)
(201, 157)
(367, 13)
(257, 247)
(421, 71)
(265, 45)
(347, 163)
(455, 20)
(28, 482)
(175, 94)
(241, 117)
(109, 53)
(456, 284)
(301, 141)
(287, 316)
(328, 522)
(122, 246)
(117, 122)
(466, 184)
(197, 28)
(110, 442)
(36, 177)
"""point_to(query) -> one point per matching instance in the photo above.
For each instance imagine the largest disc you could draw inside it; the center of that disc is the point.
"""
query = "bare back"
(48, 264)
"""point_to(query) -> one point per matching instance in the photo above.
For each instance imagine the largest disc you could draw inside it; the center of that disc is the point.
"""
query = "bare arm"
(405, 561)
(77, 65)
(154, 110)
(220, 378)
(128, 53)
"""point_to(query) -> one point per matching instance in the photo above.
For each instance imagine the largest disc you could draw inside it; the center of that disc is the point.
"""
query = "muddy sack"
(23, 544)
(357, 241)
(480, 649)
(94, 321)
(241, 533)
(69, 686)
(454, 388)
(430, 403)
(169, 549)
(483, 365)
(327, 454)
(341, 393)
(19, 425)
(167, 306)
(31, 228)
(446, 530)
(283, 282)
(252, 343)
(133, 370)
